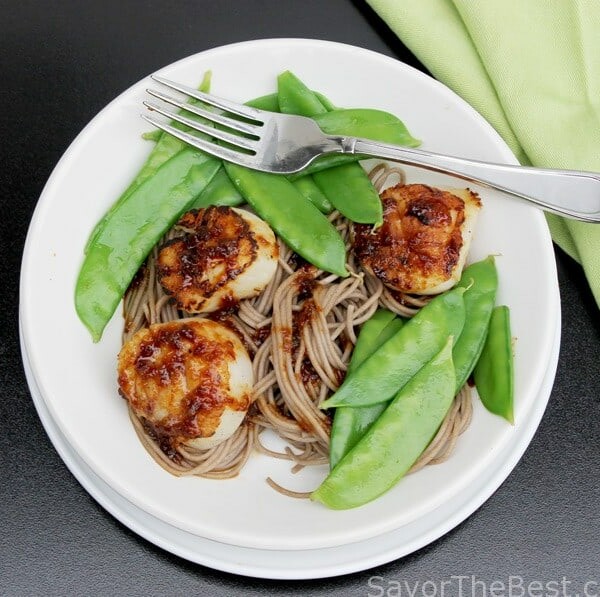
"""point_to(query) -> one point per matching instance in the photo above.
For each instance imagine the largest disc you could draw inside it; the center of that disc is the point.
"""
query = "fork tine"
(242, 142)
(218, 151)
(236, 125)
(217, 102)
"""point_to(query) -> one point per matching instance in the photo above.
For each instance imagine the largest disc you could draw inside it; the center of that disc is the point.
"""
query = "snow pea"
(269, 102)
(358, 122)
(347, 187)
(154, 135)
(297, 221)
(395, 441)
(166, 147)
(373, 333)
(494, 372)
(325, 162)
(351, 191)
(350, 424)
(296, 98)
(130, 231)
(219, 191)
(327, 103)
(480, 281)
(309, 190)
(392, 365)
(367, 123)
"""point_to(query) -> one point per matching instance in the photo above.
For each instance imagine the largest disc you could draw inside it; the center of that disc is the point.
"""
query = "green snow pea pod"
(351, 192)
(481, 283)
(269, 102)
(325, 162)
(327, 103)
(358, 122)
(395, 441)
(154, 135)
(373, 333)
(297, 221)
(350, 424)
(166, 147)
(219, 191)
(390, 367)
(347, 187)
(310, 190)
(296, 98)
(130, 231)
(494, 372)
(367, 123)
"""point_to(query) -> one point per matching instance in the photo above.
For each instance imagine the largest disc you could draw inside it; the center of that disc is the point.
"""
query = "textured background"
(61, 63)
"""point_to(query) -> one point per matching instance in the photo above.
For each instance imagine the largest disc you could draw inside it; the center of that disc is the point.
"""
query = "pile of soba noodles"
(300, 333)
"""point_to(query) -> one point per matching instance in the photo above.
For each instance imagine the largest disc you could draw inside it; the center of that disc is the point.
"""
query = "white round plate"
(77, 378)
(290, 564)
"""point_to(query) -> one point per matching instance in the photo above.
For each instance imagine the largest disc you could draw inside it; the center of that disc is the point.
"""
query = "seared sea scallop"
(423, 243)
(189, 381)
(226, 255)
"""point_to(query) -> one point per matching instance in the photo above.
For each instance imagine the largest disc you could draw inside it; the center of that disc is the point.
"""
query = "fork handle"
(570, 193)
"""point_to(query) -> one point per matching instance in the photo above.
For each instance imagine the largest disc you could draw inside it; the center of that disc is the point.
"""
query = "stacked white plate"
(242, 525)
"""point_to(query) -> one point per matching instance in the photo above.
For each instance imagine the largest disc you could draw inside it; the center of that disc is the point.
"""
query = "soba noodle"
(300, 333)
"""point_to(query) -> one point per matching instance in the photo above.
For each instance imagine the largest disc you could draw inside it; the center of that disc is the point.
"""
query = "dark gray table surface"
(61, 63)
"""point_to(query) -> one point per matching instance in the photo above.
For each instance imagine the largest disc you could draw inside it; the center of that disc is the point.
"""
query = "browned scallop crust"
(418, 245)
(175, 376)
(218, 248)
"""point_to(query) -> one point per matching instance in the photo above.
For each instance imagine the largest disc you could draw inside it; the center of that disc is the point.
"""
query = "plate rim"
(501, 145)
(126, 512)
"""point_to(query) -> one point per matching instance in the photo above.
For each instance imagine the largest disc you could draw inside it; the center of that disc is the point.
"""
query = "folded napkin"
(532, 69)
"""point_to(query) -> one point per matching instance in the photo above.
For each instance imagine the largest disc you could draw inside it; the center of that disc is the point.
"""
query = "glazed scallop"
(189, 381)
(226, 255)
(423, 243)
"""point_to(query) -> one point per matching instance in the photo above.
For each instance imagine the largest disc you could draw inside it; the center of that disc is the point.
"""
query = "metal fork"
(285, 144)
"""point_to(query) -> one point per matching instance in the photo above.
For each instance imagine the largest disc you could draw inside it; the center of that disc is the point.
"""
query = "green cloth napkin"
(532, 69)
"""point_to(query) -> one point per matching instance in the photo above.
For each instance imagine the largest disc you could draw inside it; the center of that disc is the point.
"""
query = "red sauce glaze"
(287, 340)
(420, 238)
(261, 334)
(176, 377)
(307, 313)
(308, 374)
(305, 281)
(218, 248)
